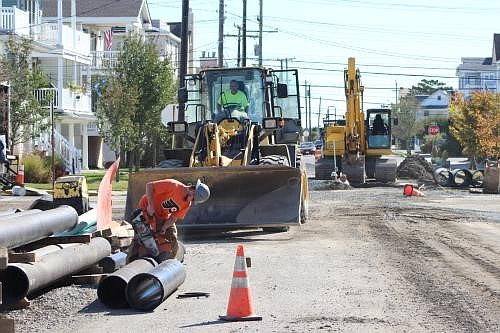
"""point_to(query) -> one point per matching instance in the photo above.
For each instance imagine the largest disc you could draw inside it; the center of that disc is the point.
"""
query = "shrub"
(38, 169)
(35, 169)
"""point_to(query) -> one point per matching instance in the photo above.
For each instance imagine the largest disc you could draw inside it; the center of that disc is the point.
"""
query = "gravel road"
(367, 260)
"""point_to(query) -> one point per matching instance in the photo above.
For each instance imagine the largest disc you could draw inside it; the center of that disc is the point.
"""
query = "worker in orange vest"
(165, 202)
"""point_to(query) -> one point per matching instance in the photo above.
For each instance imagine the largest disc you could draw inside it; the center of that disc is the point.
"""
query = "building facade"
(480, 73)
(73, 42)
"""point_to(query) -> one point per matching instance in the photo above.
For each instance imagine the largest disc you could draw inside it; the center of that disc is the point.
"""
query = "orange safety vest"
(169, 198)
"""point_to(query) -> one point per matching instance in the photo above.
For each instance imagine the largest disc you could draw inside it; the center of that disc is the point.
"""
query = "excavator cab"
(379, 128)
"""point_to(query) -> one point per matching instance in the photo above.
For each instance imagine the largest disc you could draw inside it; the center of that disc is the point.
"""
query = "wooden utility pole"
(184, 51)
(260, 32)
(244, 27)
(220, 62)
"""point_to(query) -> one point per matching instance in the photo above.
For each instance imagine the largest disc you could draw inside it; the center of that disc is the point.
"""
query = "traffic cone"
(409, 191)
(20, 175)
(240, 307)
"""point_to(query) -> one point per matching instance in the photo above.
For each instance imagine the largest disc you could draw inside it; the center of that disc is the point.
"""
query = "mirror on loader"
(282, 90)
(271, 123)
(182, 95)
(177, 127)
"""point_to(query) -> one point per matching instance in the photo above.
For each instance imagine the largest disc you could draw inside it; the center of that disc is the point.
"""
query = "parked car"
(307, 148)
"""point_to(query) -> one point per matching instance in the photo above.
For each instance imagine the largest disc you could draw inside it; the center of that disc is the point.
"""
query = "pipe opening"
(15, 284)
(111, 292)
(144, 292)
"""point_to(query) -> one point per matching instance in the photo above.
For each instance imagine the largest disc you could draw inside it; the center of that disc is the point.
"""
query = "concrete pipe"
(443, 177)
(146, 291)
(111, 290)
(461, 177)
(113, 262)
(19, 280)
(17, 213)
(16, 231)
(477, 178)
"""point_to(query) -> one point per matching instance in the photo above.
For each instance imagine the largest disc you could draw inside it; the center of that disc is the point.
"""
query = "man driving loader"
(234, 101)
(165, 202)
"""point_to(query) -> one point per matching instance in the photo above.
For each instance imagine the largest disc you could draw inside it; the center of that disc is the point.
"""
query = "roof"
(496, 46)
(476, 64)
(95, 8)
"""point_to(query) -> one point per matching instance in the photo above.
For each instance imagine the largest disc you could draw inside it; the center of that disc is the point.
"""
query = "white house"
(73, 40)
(480, 73)
(62, 51)
(434, 105)
(108, 23)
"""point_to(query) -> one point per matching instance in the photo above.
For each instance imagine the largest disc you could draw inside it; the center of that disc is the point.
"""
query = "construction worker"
(165, 202)
(234, 100)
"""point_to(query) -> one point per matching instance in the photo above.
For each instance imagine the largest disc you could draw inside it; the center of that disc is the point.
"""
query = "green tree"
(138, 88)
(427, 87)
(27, 117)
(407, 124)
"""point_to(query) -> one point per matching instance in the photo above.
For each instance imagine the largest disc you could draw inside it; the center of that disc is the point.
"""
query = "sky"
(395, 43)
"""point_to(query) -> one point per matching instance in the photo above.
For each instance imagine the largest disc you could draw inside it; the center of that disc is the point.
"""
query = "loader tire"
(167, 164)
(274, 160)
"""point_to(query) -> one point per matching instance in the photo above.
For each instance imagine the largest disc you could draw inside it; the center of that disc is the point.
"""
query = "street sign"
(433, 130)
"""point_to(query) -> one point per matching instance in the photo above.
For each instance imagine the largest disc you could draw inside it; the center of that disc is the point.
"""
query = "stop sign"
(433, 130)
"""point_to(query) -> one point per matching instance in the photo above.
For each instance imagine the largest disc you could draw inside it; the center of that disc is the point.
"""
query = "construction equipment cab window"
(236, 96)
(379, 134)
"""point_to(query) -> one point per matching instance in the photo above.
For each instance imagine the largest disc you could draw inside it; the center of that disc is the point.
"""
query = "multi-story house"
(480, 73)
(108, 23)
(62, 51)
(72, 42)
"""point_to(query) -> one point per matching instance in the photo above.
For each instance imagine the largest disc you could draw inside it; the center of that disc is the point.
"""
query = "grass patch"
(93, 178)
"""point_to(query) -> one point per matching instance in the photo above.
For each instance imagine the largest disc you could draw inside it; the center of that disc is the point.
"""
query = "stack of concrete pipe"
(19, 280)
(459, 177)
(143, 284)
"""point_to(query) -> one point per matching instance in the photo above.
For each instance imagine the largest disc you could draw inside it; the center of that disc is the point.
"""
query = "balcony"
(49, 35)
(71, 101)
(13, 20)
(104, 59)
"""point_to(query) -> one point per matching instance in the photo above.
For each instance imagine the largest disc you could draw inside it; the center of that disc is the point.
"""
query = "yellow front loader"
(247, 157)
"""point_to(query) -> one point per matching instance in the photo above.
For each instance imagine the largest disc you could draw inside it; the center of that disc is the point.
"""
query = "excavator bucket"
(250, 196)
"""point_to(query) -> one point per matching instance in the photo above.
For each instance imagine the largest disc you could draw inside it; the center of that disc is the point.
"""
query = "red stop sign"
(433, 130)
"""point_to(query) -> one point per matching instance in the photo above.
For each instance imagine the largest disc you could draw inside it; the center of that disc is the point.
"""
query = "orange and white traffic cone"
(20, 175)
(409, 191)
(240, 305)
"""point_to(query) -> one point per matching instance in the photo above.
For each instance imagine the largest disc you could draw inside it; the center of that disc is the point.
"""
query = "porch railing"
(14, 20)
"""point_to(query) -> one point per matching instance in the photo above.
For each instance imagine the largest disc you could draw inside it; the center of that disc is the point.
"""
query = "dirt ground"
(367, 260)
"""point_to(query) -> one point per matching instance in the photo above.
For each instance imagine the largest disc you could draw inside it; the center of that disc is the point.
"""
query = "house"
(73, 42)
(480, 73)
(61, 51)
(434, 105)
(108, 23)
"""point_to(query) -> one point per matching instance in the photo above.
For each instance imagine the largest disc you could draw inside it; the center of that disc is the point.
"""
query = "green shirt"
(239, 98)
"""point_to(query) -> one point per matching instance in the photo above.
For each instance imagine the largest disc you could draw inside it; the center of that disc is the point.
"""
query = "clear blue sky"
(394, 42)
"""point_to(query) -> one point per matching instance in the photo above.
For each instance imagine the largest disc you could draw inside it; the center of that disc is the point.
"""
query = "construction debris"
(416, 167)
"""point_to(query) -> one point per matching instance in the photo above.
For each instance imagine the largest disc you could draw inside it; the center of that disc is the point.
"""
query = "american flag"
(108, 39)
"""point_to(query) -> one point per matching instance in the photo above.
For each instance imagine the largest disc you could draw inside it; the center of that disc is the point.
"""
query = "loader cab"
(378, 124)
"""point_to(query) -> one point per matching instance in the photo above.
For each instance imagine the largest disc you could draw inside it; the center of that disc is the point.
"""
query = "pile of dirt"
(416, 167)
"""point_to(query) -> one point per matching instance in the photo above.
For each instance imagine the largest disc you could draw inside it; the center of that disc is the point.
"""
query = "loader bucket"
(250, 196)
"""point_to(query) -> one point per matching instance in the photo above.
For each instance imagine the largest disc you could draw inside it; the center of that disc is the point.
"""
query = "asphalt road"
(368, 260)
